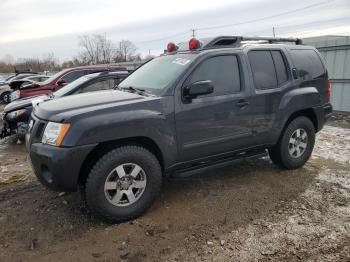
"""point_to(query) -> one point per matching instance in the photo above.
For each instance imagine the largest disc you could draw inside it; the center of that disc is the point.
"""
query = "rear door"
(271, 78)
(218, 122)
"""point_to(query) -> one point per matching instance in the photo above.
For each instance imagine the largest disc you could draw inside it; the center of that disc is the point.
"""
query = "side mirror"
(198, 88)
(61, 82)
(295, 73)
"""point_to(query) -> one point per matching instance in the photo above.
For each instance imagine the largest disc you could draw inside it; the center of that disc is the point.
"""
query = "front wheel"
(123, 183)
(296, 144)
(6, 97)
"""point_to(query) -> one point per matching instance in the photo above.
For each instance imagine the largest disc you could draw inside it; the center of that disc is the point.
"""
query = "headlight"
(15, 114)
(54, 133)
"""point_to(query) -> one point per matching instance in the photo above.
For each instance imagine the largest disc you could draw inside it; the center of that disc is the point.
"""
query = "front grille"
(39, 131)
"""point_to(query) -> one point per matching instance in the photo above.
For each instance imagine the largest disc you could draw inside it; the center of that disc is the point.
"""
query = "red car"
(59, 80)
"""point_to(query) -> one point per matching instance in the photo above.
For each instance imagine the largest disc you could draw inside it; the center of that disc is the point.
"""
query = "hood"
(62, 109)
(25, 102)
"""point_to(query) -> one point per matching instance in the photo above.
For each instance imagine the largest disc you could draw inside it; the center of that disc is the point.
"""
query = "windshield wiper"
(132, 89)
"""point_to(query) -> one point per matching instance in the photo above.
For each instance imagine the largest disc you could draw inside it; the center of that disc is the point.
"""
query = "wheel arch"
(104, 147)
(308, 112)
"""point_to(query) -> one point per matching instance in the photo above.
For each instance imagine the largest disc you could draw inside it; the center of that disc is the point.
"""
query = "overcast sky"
(29, 28)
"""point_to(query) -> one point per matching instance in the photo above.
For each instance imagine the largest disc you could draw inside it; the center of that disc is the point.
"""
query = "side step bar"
(217, 164)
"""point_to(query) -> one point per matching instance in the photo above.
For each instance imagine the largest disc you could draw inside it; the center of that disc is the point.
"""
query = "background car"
(16, 81)
(17, 113)
(60, 79)
(27, 81)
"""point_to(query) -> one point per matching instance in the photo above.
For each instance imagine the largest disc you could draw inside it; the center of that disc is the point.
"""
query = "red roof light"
(171, 47)
(194, 44)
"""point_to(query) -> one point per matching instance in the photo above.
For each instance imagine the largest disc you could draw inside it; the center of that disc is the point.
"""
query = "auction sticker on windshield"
(181, 61)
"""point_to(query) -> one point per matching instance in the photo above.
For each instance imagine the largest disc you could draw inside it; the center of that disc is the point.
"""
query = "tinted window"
(99, 85)
(223, 71)
(264, 73)
(70, 77)
(308, 63)
(280, 65)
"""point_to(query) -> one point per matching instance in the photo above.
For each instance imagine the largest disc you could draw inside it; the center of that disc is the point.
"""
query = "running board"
(217, 164)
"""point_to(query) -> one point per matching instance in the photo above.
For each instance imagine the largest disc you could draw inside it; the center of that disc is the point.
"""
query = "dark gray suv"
(203, 104)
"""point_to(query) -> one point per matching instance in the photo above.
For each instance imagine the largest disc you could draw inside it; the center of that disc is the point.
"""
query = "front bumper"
(57, 168)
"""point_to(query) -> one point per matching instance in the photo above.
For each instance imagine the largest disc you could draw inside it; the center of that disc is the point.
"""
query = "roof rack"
(272, 40)
(229, 41)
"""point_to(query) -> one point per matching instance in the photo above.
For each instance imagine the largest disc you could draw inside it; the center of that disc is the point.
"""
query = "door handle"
(242, 103)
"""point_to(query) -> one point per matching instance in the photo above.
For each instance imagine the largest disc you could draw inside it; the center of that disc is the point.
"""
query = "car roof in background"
(94, 67)
(107, 73)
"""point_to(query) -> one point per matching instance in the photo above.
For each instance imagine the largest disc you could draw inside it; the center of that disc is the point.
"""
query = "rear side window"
(103, 84)
(223, 71)
(263, 69)
(74, 75)
(280, 65)
(308, 64)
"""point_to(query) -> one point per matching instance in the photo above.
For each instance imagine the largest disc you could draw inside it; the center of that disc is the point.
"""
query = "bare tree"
(97, 49)
(49, 62)
(126, 51)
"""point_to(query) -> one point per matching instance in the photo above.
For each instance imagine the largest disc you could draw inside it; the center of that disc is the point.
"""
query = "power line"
(192, 31)
(268, 17)
(163, 38)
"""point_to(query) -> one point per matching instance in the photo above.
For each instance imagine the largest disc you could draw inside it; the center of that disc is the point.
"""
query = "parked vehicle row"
(18, 79)
(202, 104)
(16, 114)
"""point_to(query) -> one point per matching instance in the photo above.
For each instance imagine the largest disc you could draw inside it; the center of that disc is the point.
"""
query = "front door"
(218, 122)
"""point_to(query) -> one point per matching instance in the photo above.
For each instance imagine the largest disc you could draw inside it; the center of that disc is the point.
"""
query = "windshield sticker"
(181, 61)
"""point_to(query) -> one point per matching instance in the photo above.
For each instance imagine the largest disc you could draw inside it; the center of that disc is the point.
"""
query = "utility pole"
(193, 33)
(273, 31)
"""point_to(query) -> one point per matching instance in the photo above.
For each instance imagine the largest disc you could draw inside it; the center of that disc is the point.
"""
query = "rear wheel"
(6, 97)
(296, 144)
(123, 183)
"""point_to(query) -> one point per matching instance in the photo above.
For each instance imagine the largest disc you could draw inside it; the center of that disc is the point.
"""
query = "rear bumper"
(328, 110)
(323, 113)
(57, 168)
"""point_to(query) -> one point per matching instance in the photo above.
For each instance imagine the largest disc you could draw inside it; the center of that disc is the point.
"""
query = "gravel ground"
(246, 212)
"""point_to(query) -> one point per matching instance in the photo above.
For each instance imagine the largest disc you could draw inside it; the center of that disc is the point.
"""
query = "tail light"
(194, 44)
(328, 90)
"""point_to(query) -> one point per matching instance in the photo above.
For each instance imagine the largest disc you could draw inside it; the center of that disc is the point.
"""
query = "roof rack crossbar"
(297, 41)
(236, 41)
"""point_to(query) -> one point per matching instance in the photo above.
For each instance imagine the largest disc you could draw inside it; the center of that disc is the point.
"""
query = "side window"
(280, 65)
(262, 65)
(118, 80)
(223, 71)
(99, 85)
(308, 63)
(74, 75)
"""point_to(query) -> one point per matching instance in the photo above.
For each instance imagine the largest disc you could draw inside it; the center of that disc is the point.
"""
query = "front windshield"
(71, 86)
(159, 73)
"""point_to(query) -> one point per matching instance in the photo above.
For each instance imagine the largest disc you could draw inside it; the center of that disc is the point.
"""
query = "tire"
(296, 144)
(5, 97)
(107, 173)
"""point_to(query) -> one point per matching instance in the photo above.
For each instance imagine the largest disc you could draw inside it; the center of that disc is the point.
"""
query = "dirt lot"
(250, 211)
